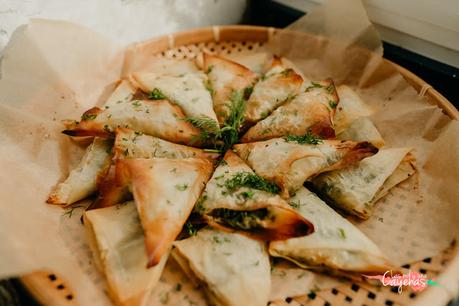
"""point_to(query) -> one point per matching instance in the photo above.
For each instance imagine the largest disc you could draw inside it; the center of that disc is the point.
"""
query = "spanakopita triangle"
(357, 188)
(228, 81)
(82, 181)
(117, 242)
(290, 161)
(278, 85)
(132, 144)
(186, 90)
(165, 191)
(235, 198)
(335, 244)
(310, 111)
(158, 118)
(352, 118)
(233, 269)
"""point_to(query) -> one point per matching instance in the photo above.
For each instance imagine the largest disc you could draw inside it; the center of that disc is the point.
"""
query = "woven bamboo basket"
(49, 289)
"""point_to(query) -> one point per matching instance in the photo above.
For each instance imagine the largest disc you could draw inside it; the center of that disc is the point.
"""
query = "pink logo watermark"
(415, 280)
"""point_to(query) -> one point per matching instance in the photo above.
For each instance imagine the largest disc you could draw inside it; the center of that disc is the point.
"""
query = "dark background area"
(442, 77)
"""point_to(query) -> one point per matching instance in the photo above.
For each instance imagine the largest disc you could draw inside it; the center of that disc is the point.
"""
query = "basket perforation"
(342, 295)
(234, 40)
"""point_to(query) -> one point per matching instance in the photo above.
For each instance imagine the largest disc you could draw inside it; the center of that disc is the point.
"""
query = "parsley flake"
(307, 138)
(156, 94)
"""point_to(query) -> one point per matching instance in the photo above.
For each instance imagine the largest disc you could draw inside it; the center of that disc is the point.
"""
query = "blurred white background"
(122, 20)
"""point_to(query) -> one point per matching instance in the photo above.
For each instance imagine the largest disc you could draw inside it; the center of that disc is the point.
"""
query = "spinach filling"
(242, 220)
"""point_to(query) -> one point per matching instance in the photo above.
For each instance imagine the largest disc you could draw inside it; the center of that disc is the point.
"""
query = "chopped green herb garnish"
(314, 85)
(250, 180)
(216, 239)
(342, 233)
(266, 131)
(164, 297)
(199, 206)
(330, 89)
(248, 91)
(87, 117)
(246, 194)
(191, 230)
(209, 69)
(178, 287)
(208, 86)
(156, 94)
(294, 204)
(307, 138)
(181, 187)
(332, 104)
(285, 72)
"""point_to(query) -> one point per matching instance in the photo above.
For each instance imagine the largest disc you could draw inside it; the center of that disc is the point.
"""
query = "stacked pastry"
(208, 163)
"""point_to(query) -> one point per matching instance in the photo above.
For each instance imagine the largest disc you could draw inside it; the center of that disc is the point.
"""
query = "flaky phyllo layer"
(208, 161)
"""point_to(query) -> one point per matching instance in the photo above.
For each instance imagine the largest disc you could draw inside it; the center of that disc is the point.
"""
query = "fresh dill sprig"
(209, 129)
(204, 123)
(307, 138)
(251, 180)
(235, 119)
(223, 138)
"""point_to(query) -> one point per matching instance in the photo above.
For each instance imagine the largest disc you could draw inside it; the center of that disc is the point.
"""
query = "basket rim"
(219, 33)
(35, 282)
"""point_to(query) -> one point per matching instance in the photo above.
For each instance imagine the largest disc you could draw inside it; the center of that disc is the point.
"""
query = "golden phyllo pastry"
(351, 119)
(117, 241)
(335, 244)
(227, 81)
(132, 144)
(311, 111)
(236, 198)
(292, 160)
(232, 269)
(186, 90)
(82, 181)
(278, 85)
(165, 191)
(356, 189)
(158, 118)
